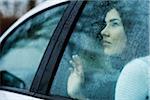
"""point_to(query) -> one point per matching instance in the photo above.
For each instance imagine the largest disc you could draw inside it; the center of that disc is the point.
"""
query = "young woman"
(117, 36)
(114, 42)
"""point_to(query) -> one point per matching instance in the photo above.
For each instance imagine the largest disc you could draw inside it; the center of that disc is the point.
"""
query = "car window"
(23, 50)
(107, 36)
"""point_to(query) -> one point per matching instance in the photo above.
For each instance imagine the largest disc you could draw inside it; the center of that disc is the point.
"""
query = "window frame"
(59, 48)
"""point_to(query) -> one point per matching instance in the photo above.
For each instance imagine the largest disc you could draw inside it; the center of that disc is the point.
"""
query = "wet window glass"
(23, 50)
(108, 36)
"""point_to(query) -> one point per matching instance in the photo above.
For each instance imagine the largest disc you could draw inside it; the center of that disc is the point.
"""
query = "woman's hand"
(76, 78)
(77, 66)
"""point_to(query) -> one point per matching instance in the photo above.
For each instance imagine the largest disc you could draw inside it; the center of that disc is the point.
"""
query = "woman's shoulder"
(133, 79)
(137, 65)
(141, 62)
(146, 59)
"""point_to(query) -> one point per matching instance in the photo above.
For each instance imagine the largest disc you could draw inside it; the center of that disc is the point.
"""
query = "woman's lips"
(106, 43)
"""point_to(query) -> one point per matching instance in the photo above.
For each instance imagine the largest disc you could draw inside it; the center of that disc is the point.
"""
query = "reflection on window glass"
(23, 50)
(108, 35)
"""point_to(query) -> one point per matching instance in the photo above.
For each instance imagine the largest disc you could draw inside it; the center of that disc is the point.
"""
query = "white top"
(134, 80)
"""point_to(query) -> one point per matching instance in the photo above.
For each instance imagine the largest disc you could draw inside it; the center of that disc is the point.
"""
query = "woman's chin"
(110, 52)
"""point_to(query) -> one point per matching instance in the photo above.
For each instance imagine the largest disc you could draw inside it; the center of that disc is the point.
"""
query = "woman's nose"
(105, 31)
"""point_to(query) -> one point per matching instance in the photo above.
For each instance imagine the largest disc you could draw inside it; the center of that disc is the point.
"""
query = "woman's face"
(114, 37)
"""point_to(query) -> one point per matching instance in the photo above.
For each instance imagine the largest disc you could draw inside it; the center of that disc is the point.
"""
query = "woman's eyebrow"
(115, 19)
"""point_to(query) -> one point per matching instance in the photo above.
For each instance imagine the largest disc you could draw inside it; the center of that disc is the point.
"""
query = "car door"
(79, 33)
(27, 46)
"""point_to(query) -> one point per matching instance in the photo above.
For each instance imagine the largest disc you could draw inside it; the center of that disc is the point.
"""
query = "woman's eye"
(113, 24)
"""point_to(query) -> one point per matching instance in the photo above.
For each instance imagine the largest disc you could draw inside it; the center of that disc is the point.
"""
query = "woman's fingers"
(76, 59)
(72, 63)
(77, 65)
(71, 69)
